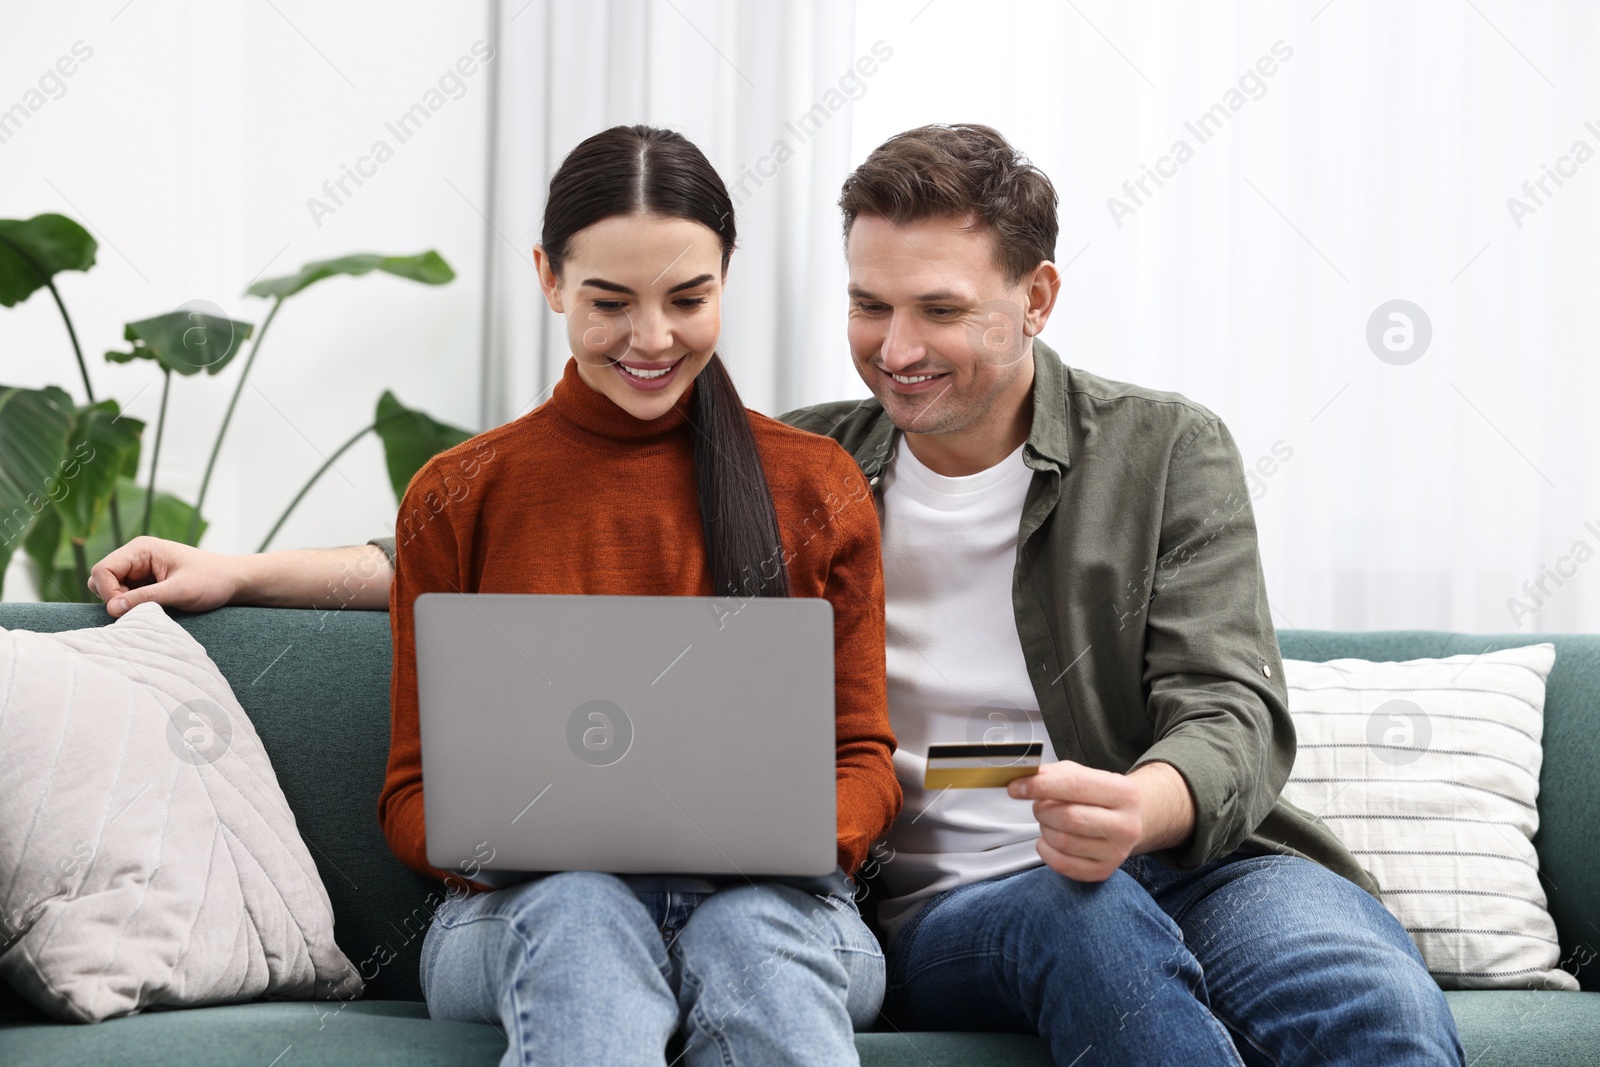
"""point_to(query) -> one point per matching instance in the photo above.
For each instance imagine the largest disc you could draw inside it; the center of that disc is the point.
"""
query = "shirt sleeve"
(869, 795)
(387, 544)
(429, 561)
(1217, 696)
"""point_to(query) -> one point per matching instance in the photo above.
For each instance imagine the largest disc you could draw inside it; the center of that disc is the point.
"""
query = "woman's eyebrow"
(690, 284)
(613, 287)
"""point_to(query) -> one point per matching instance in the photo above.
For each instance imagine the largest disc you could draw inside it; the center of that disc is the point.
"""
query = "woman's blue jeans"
(1256, 960)
(588, 968)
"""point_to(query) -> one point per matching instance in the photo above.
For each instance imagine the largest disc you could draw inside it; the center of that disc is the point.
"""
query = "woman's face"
(643, 299)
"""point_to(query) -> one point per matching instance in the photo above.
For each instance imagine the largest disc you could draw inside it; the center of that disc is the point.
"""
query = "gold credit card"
(977, 766)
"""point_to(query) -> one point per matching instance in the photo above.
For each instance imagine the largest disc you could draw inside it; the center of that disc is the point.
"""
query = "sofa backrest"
(316, 686)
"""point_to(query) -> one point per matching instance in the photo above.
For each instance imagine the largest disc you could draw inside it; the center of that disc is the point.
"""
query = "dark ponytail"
(630, 170)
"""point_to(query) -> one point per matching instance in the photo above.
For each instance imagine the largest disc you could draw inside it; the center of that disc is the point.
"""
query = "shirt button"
(873, 480)
(1266, 670)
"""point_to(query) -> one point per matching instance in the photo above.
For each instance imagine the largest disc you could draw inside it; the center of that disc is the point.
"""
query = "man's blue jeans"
(1270, 958)
(587, 968)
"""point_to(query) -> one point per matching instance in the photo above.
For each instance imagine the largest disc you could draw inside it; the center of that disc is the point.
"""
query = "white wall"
(189, 144)
(1376, 164)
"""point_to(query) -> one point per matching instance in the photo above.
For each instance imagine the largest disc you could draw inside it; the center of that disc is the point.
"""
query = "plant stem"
(83, 369)
(155, 454)
(205, 482)
(77, 350)
(81, 564)
(321, 471)
(304, 489)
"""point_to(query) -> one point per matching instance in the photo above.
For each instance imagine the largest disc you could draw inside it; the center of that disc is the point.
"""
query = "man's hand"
(171, 574)
(1090, 821)
(190, 579)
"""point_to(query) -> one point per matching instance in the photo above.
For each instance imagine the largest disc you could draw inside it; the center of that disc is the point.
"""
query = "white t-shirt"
(957, 673)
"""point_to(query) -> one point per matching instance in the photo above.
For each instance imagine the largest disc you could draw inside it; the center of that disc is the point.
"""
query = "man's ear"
(1040, 294)
(547, 279)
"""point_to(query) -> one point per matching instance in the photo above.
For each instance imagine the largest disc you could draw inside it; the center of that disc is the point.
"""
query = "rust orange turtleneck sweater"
(559, 501)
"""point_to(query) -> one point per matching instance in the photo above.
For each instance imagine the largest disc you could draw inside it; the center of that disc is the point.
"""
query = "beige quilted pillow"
(147, 855)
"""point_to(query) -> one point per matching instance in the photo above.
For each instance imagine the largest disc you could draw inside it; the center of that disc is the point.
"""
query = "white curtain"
(1375, 162)
(1336, 157)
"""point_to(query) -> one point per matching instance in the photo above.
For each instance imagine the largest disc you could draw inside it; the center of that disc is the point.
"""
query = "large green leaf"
(427, 267)
(43, 537)
(103, 442)
(186, 341)
(411, 438)
(33, 250)
(35, 425)
(169, 520)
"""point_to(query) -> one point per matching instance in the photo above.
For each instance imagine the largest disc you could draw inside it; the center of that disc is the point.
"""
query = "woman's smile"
(648, 377)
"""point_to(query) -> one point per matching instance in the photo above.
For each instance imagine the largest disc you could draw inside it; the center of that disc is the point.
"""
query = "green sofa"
(316, 685)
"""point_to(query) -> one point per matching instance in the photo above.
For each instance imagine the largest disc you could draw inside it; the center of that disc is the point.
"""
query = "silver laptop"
(674, 735)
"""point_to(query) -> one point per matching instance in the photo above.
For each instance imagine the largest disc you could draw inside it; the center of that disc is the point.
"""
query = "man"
(1072, 560)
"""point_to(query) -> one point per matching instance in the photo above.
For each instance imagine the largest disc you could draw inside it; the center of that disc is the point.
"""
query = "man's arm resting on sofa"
(191, 579)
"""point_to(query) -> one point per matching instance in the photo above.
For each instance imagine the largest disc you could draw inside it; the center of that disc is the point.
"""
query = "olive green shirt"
(1140, 602)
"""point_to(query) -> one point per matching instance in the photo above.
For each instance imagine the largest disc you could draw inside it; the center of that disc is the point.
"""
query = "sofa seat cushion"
(951, 1049)
(381, 1033)
(281, 1033)
(1526, 1027)
(1499, 1028)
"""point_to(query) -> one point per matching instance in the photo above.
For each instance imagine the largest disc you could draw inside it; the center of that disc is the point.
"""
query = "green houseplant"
(68, 489)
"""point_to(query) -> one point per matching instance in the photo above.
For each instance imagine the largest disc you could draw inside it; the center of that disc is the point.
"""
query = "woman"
(643, 474)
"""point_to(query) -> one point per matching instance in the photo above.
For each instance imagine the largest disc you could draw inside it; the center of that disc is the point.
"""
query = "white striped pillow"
(1428, 770)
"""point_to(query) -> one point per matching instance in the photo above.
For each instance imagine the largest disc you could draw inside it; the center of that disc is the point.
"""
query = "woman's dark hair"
(629, 170)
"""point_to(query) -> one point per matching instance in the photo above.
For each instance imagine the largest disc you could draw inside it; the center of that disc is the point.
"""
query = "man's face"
(936, 330)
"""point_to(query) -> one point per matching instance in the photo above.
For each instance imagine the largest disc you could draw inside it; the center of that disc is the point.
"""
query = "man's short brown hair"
(959, 171)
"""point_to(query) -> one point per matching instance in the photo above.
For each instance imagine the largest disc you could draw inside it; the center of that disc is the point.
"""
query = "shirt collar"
(1047, 440)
